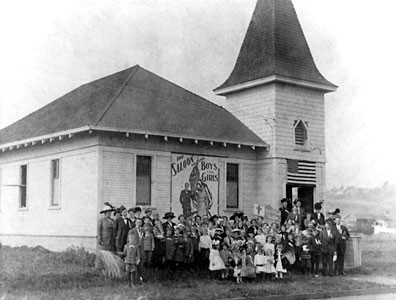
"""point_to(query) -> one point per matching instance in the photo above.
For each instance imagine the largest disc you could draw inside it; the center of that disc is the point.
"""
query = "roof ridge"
(179, 86)
(117, 94)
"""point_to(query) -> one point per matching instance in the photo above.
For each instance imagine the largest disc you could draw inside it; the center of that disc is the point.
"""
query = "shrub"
(78, 256)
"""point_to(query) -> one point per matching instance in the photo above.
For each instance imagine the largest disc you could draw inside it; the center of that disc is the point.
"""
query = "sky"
(51, 47)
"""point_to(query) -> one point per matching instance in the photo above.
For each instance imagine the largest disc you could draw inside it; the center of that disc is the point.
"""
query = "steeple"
(274, 50)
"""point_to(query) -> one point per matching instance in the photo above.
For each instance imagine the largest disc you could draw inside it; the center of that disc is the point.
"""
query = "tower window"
(300, 133)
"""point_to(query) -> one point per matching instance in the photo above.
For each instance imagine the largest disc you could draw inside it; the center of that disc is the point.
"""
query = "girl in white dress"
(269, 268)
(216, 264)
(260, 260)
(279, 265)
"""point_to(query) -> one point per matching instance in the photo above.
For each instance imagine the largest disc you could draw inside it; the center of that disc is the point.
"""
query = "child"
(216, 264)
(237, 265)
(315, 246)
(268, 244)
(260, 261)
(269, 268)
(260, 238)
(147, 244)
(188, 252)
(132, 259)
(180, 245)
(194, 237)
(226, 256)
(289, 252)
(169, 250)
(205, 243)
(278, 261)
(305, 256)
(250, 271)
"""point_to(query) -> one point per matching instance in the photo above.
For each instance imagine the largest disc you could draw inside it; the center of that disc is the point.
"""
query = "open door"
(303, 192)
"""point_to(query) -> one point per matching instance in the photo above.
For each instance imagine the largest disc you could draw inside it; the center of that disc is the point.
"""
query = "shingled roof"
(134, 100)
(275, 45)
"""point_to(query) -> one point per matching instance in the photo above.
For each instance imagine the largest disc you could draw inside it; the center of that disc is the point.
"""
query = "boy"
(132, 258)
(315, 245)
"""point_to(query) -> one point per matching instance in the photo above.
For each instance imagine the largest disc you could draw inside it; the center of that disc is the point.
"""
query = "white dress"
(215, 261)
(260, 260)
(279, 266)
(269, 266)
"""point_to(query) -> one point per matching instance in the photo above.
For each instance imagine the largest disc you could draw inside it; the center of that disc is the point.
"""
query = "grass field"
(35, 273)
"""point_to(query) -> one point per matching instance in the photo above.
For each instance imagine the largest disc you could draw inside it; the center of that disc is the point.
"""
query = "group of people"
(233, 247)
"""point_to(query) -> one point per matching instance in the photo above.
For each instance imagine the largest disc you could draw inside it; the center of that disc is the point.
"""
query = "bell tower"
(276, 89)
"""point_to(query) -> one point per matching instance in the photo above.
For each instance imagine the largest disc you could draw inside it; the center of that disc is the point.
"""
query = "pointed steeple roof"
(274, 47)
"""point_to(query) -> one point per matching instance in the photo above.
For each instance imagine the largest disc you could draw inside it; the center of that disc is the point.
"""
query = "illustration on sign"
(195, 184)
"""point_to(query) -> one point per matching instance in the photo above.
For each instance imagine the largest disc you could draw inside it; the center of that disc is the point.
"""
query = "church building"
(134, 138)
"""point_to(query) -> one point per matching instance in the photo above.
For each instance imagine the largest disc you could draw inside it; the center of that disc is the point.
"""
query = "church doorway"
(303, 192)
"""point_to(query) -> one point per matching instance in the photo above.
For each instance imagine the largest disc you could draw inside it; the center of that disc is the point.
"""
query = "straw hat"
(106, 208)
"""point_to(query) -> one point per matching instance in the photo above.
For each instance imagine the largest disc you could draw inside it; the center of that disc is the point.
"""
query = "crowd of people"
(234, 248)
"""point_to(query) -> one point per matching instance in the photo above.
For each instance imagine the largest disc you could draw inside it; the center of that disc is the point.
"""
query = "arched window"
(300, 133)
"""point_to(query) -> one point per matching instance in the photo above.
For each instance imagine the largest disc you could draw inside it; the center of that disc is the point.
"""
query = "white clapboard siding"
(72, 223)
(162, 184)
(118, 186)
(248, 181)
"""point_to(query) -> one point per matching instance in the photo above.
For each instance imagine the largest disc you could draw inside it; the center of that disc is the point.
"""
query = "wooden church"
(136, 139)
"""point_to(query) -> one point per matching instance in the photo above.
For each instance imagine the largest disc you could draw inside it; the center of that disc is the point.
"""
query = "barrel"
(353, 253)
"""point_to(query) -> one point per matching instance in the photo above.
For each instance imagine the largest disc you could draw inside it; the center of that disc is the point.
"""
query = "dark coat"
(329, 243)
(318, 220)
(342, 237)
(284, 214)
(121, 232)
(167, 225)
(106, 228)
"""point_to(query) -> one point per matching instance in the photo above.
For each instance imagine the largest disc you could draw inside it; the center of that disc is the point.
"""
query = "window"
(143, 180)
(55, 183)
(232, 186)
(300, 134)
(23, 186)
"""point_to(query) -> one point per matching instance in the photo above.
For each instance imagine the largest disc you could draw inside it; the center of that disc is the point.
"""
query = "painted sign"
(195, 184)
(258, 210)
(271, 215)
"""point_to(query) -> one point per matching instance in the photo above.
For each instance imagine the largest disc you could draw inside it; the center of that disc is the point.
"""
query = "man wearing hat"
(342, 236)
(317, 216)
(122, 227)
(284, 210)
(169, 216)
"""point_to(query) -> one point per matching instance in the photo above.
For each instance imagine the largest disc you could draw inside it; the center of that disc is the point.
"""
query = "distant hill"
(353, 200)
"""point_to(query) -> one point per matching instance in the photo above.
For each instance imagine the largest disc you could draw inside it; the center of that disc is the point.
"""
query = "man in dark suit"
(317, 216)
(122, 226)
(328, 237)
(284, 210)
(342, 236)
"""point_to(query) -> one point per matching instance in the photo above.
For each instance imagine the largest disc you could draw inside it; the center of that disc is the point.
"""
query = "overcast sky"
(51, 47)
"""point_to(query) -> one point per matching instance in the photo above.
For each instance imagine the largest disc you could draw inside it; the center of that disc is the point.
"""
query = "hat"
(318, 206)
(148, 210)
(250, 230)
(213, 217)
(169, 215)
(219, 229)
(106, 208)
(283, 200)
(335, 212)
(298, 200)
(122, 208)
(131, 210)
(236, 214)
(137, 209)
